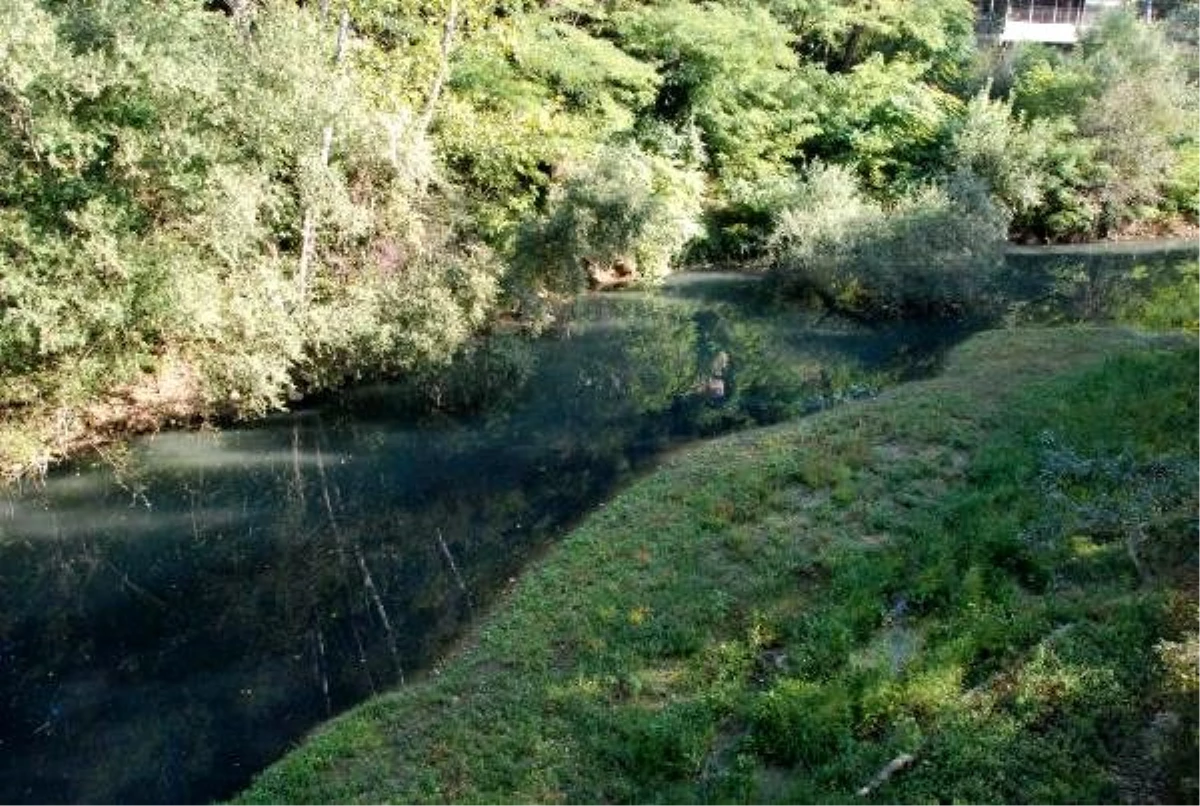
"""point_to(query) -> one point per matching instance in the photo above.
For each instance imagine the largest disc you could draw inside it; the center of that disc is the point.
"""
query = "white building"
(1052, 21)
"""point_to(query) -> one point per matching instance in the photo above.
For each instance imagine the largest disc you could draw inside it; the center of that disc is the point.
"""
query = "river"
(175, 615)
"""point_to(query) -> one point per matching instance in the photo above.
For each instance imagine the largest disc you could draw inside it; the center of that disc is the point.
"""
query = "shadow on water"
(169, 626)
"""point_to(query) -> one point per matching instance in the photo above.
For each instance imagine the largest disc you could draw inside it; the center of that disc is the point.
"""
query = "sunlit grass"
(945, 573)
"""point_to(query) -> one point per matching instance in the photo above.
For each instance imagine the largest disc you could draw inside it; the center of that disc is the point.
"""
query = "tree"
(842, 35)
(885, 120)
(624, 213)
(730, 71)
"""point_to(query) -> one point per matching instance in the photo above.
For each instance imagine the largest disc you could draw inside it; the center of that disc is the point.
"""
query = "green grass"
(993, 571)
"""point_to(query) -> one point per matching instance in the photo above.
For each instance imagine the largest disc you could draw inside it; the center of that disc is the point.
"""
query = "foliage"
(842, 35)
(159, 164)
(934, 253)
(1048, 84)
(530, 97)
(728, 70)
(738, 226)
(1170, 304)
(885, 119)
(996, 146)
(625, 206)
(1115, 122)
(1182, 196)
(1181, 22)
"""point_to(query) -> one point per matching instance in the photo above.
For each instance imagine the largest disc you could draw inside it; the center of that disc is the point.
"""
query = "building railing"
(1049, 13)
(994, 16)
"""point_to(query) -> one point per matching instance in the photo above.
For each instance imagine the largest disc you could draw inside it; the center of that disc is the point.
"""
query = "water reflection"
(1152, 283)
(167, 628)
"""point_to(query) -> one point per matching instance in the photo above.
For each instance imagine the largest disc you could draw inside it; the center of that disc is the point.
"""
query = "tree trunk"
(439, 80)
(308, 230)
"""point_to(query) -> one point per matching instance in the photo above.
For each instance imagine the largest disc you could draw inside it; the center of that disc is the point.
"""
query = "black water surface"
(173, 618)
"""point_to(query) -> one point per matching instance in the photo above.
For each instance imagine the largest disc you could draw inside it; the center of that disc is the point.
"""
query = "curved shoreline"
(663, 618)
(170, 397)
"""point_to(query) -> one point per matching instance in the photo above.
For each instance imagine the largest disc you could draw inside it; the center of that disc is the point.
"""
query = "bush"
(400, 322)
(624, 208)
(934, 253)
(994, 144)
(1169, 304)
(1183, 187)
(666, 744)
(738, 227)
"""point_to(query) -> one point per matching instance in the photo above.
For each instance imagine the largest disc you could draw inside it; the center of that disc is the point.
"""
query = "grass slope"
(988, 577)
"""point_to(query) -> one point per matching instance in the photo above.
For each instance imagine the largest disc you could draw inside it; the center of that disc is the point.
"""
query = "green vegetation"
(212, 209)
(208, 214)
(991, 573)
(179, 191)
(626, 211)
(935, 253)
(1106, 133)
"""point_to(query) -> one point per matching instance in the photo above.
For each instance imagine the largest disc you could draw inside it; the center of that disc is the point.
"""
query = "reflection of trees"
(1057, 288)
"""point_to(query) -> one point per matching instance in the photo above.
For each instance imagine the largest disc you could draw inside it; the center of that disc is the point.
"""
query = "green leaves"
(933, 253)
(884, 118)
(732, 72)
(1109, 131)
(624, 207)
(843, 34)
(158, 162)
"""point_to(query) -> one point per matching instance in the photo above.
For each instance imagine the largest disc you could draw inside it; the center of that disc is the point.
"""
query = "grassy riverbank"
(988, 578)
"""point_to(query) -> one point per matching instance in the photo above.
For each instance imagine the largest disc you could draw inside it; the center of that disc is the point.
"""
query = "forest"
(210, 210)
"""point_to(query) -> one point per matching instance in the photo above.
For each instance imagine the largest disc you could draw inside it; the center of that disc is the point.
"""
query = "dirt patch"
(1175, 228)
(170, 396)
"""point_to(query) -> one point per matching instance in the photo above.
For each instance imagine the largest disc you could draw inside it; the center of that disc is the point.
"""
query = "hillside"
(979, 587)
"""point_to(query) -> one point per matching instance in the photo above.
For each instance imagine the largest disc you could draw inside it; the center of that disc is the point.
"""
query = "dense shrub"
(624, 209)
(1183, 186)
(1107, 132)
(739, 221)
(934, 253)
(1170, 303)
(530, 96)
(160, 167)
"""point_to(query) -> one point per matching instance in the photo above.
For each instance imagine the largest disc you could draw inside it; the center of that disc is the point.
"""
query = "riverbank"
(977, 587)
(40, 433)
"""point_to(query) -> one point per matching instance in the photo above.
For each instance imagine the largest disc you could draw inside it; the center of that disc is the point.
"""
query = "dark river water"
(174, 617)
